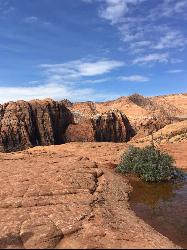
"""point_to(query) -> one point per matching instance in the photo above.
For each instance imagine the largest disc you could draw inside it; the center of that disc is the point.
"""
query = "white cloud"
(65, 81)
(36, 20)
(140, 44)
(172, 39)
(31, 19)
(171, 7)
(113, 10)
(76, 70)
(152, 58)
(130, 33)
(98, 68)
(87, 1)
(145, 28)
(54, 91)
(95, 81)
(6, 8)
(176, 60)
(135, 78)
(175, 71)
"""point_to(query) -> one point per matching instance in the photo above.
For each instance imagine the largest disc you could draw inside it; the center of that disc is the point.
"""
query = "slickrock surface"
(179, 101)
(69, 196)
(174, 133)
(179, 152)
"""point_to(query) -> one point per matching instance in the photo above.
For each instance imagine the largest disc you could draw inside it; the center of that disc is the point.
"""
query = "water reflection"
(163, 206)
(152, 194)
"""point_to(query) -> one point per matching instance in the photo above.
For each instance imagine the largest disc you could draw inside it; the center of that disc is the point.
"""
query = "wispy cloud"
(143, 30)
(135, 78)
(151, 58)
(169, 8)
(96, 81)
(6, 8)
(175, 71)
(66, 80)
(31, 19)
(36, 20)
(55, 91)
(113, 10)
(76, 70)
(172, 39)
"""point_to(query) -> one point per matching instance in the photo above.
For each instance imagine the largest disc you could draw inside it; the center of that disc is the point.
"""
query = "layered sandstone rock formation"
(26, 124)
(145, 114)
(41, 123)
(112, 126)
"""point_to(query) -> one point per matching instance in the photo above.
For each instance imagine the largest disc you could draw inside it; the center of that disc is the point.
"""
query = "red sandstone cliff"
(26, 124)
(111, 126)
(40, 123)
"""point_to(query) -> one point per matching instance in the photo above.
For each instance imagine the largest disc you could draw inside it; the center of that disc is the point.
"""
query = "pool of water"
(163, 206)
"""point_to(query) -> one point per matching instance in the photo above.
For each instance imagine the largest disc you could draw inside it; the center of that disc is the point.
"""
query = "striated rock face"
(26, 124)
(41, 123)
(112, 126)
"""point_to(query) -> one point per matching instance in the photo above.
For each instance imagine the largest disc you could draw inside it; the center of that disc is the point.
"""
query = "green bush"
(149, 163)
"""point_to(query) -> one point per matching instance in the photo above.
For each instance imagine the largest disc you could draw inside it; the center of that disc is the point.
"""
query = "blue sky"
(92, 49)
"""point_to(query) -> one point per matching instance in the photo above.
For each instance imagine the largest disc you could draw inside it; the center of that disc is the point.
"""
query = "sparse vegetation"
(149, 163)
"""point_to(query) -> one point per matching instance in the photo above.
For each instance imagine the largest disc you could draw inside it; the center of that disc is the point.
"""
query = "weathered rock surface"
(26, 124)
(145, 114)
(111, 126)
(82, 130)
(57, 197)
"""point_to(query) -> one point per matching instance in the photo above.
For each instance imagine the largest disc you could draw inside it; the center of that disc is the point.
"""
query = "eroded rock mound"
(26, 124)
(42, 123)
(112, 126)
(82, 130)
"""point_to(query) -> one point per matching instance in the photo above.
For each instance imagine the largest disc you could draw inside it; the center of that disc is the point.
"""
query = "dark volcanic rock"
(26, 124)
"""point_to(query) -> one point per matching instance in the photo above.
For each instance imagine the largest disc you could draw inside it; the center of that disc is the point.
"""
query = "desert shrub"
(149, 163)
